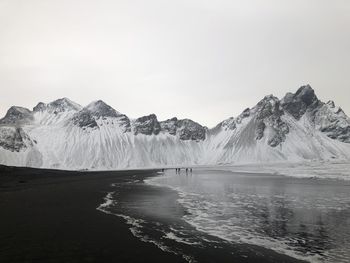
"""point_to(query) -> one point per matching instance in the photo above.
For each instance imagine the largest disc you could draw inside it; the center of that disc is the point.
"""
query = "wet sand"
(51, 216)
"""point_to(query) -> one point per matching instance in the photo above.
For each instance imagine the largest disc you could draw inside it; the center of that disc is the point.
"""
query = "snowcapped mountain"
(63, 134)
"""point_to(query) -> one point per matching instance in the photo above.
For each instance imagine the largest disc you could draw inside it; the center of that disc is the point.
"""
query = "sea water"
(305, 218)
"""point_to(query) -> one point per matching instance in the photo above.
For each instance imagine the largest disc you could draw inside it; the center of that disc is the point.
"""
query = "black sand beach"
(51, 216)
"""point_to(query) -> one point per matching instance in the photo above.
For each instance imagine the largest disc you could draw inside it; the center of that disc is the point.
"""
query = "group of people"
(178, 170)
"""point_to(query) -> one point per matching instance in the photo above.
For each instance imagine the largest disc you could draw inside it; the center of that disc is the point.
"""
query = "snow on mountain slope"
(96, 137)
(269, 134)
(64, 135)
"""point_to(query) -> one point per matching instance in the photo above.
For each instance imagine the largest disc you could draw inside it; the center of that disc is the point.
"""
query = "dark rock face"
(229, 124)
(63, 104)
(125, 122)
(269, 106)
(40, 107)
(99, 110)
(190, 130)
(269, 112)
(281, 130)
(338, 133)
(14, 140)
(186, 129)
(300, 102)
(326, 117)
(147, 125)
(57, 106)
(259, 133)
(16, 114)
(84, 119)
(169, 126)
(243, 115)
(332, 121)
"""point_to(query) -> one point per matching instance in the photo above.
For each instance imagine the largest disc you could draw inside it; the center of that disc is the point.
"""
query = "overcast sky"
(205, 60)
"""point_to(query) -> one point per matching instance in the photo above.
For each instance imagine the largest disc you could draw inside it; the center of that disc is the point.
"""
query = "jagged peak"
(267, 106)
(331, 103)
(305, 89)
(65, 103)
(271, 99)
(173, 119)
(186, 129)
(306, 94)
(180, 122)
(96, 104)
(298, 103)
(15, 114)
(18, 109)
(147, 125)
(40, 107)
(101, 109)
(335, 109)
(186, 120)
(59, 105)
(97, 111)
(151, 116)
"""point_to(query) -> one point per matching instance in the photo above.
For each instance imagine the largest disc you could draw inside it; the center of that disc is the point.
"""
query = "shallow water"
(307, 219)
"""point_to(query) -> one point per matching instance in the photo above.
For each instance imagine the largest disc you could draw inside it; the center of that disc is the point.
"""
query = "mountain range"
(64, 135)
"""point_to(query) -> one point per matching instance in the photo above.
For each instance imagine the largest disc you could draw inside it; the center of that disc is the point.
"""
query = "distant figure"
(191, 170)
(186, 171)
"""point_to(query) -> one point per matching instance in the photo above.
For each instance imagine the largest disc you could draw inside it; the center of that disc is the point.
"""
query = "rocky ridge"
(298, 125)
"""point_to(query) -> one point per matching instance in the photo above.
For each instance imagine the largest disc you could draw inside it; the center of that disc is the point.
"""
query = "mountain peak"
(59, 105)
(15, 114)
(89, 115)
(185, 128)
(101, 109)
(331, 104)
(301, 101)
(269, 99)
(191, 130)
(306, 94)
(40, 107)
(269, 105)
(147, 125)
(64, 104)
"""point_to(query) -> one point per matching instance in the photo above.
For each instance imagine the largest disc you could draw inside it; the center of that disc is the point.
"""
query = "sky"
(198, 59)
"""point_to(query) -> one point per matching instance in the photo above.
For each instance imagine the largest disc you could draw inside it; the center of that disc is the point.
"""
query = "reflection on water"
(305, 218)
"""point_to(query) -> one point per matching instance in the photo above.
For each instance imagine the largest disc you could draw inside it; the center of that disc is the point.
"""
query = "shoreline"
(53, 216)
